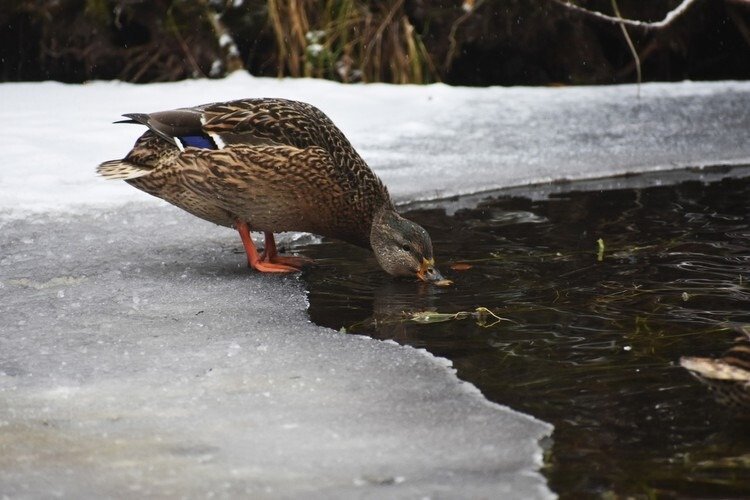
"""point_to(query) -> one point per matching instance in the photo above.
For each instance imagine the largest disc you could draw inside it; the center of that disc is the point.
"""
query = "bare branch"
(469, 8)
(668, 19)
(634, 52)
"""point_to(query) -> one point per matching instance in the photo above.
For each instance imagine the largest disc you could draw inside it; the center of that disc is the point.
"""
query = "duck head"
(403, 248)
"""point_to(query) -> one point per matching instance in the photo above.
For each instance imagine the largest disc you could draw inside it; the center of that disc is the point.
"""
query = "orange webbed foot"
(270, 254)
(288, 260)
(254, 260)
(273, 267)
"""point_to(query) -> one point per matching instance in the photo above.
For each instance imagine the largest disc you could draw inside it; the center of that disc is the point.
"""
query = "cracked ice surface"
(134, 363)
(139, 357)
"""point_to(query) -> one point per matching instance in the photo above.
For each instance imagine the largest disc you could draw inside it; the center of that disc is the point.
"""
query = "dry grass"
(349, 40)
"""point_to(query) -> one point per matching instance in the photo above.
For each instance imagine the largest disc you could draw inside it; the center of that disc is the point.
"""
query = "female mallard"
(271, 165)
(728, 377)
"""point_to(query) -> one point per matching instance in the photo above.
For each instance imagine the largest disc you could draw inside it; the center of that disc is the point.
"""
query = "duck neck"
(383, 217)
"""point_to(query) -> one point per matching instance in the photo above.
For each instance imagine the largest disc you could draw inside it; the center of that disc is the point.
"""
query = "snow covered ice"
(139, 356)
(424, 141)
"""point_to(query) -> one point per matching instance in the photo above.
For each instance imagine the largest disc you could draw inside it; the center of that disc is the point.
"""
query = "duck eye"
(406, 248)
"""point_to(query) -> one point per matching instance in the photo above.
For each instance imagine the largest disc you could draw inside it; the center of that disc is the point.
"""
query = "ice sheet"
(140, 357)
(424, 141)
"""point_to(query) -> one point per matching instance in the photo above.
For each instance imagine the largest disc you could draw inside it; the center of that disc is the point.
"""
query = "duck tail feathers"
(122, 169)
(141, 118)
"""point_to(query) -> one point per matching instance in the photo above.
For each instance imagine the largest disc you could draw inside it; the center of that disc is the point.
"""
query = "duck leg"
(270, 254)
(253, 259)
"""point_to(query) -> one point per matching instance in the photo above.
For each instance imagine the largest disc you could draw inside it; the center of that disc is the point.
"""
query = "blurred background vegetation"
(462, 42)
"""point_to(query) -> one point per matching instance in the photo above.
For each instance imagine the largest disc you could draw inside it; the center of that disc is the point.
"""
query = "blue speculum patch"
(198, 141)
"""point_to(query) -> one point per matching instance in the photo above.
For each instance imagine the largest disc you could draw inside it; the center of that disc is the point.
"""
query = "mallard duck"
(728, 377)
(272, 165)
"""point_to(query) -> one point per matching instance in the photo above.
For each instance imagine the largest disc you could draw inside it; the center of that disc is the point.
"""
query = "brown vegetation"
(472, 42)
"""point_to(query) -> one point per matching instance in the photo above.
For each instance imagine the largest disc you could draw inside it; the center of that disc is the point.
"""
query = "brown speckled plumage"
(272, 165)
(728, 377)
(164, 179)
(285, 167)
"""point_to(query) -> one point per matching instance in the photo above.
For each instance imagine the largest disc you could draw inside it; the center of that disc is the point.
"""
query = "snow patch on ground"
(425, 141)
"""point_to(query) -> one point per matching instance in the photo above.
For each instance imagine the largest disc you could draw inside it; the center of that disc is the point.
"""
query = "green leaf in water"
(600, 251)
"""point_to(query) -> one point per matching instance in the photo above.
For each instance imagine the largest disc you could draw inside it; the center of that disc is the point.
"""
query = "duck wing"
(253, 122)
(176, 126)
(273, 121)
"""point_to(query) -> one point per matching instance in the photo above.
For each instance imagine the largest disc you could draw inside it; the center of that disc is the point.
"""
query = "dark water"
(592, 346)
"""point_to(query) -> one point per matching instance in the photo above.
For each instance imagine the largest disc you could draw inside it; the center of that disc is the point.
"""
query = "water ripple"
(592, 338)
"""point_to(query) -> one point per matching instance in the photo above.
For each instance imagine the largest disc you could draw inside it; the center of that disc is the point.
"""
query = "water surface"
(591, 335)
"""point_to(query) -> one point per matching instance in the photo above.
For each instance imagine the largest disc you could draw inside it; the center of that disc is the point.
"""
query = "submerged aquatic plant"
(483, 316)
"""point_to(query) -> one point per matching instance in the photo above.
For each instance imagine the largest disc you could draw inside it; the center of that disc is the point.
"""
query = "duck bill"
(428, 272)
